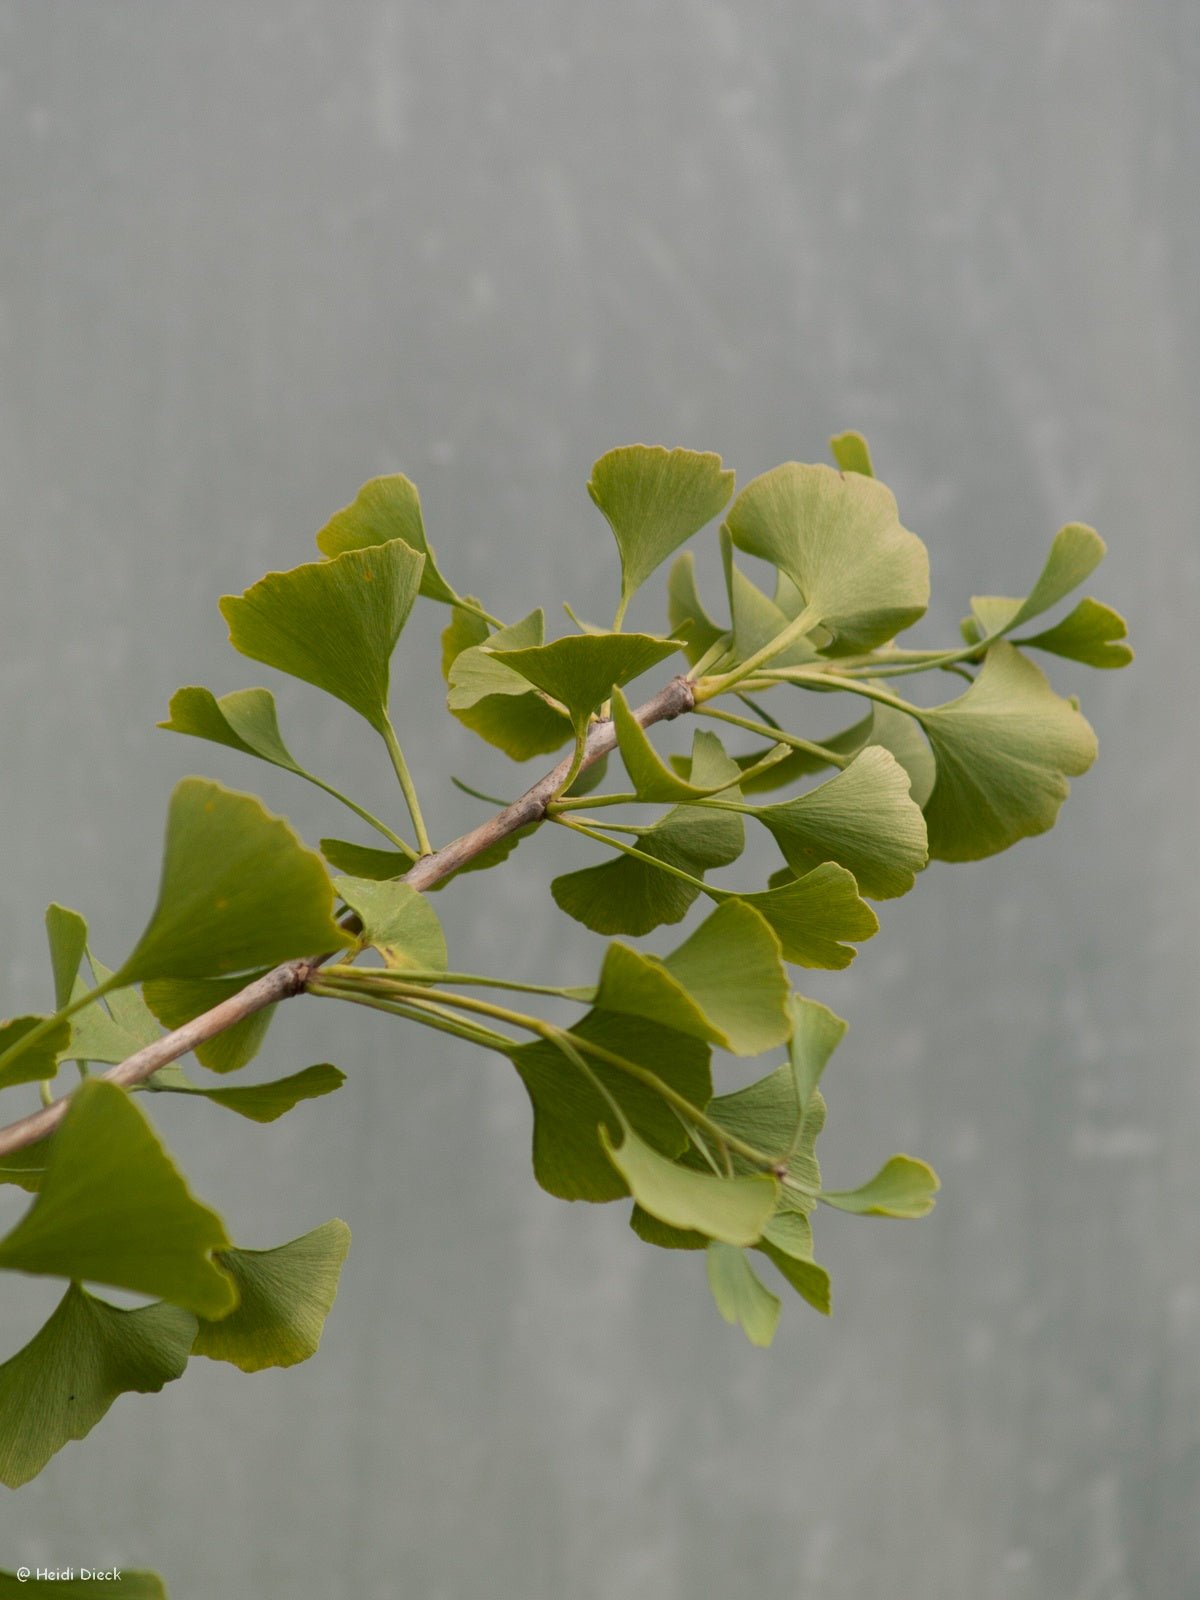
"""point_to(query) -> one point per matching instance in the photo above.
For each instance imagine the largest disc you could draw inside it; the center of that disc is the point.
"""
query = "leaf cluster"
(820, 580)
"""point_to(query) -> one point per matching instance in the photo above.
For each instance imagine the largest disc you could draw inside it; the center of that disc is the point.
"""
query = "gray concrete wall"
(252, 254)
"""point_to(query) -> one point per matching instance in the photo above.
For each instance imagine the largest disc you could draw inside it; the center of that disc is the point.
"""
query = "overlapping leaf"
(734, 1210)
(653, 499)
(690, 623)
(332, 623)
(725, 983)
(757, 620)
(1004, 752)
(64, 1380)
(740, 1297)
(581, 670)
(495, 702)
(864, 819)
(397, 921)
(175, 1001)
(634, 895)
(29, 1063)
(238, 890)
(838, 537)
(113, 1208)
(568, 1158)
(813, 916)
(383, 510)
(66, 932)
(284, 1297)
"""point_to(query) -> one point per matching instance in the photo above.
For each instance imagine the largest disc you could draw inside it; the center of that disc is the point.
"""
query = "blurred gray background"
(253, 254)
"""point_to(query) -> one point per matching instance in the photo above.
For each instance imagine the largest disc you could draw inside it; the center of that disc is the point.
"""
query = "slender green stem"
(709, 688)
(779, 735)
(373, 822)
(547, 1030)
(583, 802)
(907, 661)
(460, 603)
(827, 680)
(581, 736)
(406, 785)
(719, 647)
(45, 1092)
(619, 615)
(384, 975)
(626, 849)
(431, 1016)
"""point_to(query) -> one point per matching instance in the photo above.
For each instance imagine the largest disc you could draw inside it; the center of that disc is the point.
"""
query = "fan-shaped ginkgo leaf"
(385, 509)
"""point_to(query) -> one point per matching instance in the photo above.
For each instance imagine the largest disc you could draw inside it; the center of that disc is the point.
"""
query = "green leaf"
(383, 510)
(581, 670)
(739, 1295)
(238, 890)
(26, 1168)
(689, 621)
(757, 620)
(134, 1586)
(731, 968)
(725, 983)
(66, 931)
(633, 896)
(863, 818)
(96, 1035)
(175, 1001)
(246, 720)
(497, 703)
(568, 1159)
(653, 499)
(364, 861)
(114, 1209)
(852, 453)
(60, 1385)
(465, 629)
(398, 921)
(810, 1281)
(838, 538)
(813, 914)
(1004, 751)
(816, 1034)
(652, 779)
(1091, 633)
(1075, 554)
(734, 1210)
(37, 1061)
(332, 623)
(284, 1297)
(260, 1102)
(903, 1187)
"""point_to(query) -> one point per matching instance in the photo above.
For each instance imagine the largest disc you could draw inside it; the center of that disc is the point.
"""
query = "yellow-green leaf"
(398, 921)
(739, 1296)
(735, 1210)
(383, 510)
(839, 539)
(259, 1102)
(852, 453)
(813, 914)
(903, 1187)
(653, 499)
(285, 1295)
(581, 670)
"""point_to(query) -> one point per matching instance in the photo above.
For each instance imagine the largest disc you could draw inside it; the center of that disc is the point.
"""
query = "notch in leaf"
(839, 539)
(383, 510)
(332, 623)
(653, 499)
